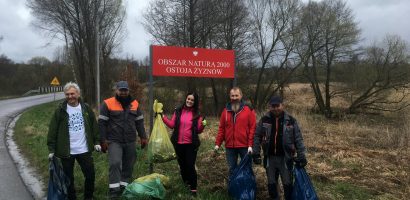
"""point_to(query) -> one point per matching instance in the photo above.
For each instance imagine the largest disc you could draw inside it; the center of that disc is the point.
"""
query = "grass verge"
(30, 135)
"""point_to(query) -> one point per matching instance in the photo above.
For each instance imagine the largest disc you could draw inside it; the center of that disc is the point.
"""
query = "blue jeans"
(232, 157)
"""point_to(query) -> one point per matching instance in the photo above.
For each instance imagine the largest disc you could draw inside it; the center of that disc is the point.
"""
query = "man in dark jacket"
(120, 117)
(73, 135)
(236, 128)
(279, 135)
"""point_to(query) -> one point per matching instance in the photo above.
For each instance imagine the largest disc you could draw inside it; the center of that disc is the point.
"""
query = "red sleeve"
(169, 123)
(221, 131)
(200, 126)
(252, 127)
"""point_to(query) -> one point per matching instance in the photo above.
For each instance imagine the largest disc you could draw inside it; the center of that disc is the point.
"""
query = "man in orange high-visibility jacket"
(119, 117)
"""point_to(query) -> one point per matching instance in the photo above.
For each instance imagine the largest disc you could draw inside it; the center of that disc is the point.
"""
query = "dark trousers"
(186, 156)
(276, 167)
(86, 162)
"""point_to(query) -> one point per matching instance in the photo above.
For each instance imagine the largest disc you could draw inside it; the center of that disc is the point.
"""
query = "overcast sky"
(22, 41)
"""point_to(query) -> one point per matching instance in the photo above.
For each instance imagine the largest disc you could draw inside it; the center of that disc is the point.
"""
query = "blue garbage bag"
(58, 181)
(303, 188)
(242, 184)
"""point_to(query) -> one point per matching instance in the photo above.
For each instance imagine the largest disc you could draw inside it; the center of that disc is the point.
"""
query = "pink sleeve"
(169, 123)
(200, 126)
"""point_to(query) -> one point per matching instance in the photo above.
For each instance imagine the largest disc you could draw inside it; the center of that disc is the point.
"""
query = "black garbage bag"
(303, 188)
(242, 183)
(58, 181)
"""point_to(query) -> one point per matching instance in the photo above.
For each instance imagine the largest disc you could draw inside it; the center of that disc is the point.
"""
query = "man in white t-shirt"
(73, 135)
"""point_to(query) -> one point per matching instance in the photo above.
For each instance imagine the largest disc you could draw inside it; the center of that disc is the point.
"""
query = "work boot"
(193, 194)
(288, 191)
(273, 192)
(122, 188)
(115, 193)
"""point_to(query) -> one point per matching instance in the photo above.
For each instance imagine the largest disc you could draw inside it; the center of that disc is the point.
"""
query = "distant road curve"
(11, 182)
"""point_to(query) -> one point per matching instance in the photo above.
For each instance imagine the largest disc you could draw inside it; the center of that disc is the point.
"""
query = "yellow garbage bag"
(160, 148)
(164, 179)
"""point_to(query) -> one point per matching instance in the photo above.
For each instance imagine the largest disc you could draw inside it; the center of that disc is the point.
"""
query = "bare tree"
(176, 23)
(231, 33)
(328, 35)
(273, 31)
(76, 22)
(382, 80)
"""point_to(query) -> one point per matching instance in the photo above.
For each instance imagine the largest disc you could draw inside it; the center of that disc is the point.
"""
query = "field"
(351, 157)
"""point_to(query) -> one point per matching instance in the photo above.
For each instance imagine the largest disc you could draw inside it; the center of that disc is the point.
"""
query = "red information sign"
(192, 62)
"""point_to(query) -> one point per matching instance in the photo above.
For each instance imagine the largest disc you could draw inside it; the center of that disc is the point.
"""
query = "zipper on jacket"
(233, 133)
(276, 133)
(234, 124)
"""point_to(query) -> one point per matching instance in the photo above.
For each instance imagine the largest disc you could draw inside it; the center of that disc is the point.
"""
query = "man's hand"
(50, 156)
(104, 146)
(300, 162)
(216, 148)
(144, 143)
(203, 122)
(250, 150)
(97, 148)
(257, 159)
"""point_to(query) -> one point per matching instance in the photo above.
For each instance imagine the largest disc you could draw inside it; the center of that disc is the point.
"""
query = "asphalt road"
(11, 184)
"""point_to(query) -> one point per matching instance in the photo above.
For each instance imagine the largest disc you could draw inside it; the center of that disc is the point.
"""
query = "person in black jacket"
(120, 117)
(279, 136)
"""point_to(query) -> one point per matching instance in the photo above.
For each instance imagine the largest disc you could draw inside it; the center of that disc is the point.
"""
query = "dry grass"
(368, 151)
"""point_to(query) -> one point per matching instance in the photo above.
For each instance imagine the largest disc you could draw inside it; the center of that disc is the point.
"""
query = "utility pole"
(97, 55)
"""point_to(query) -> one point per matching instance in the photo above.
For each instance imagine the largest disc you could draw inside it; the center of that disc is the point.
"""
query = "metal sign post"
(150, 102)
(55, 83)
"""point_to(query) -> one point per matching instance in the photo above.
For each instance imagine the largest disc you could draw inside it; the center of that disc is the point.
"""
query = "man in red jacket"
(236, 128)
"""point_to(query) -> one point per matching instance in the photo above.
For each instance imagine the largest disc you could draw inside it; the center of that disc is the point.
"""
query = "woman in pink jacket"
(187, 124)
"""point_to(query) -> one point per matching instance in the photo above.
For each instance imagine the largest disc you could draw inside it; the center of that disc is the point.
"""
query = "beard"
(124, 101)
(235, 106)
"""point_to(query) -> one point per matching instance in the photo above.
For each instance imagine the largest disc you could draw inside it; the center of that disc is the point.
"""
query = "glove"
(143, 143)
(300, 162)
(104, 146)
(257, 159)
(203, 122)
(50, 156)
(97, 148)
(249, 150)
(216, 148)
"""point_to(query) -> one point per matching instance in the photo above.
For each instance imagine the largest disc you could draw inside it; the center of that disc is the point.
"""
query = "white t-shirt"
(76, 129)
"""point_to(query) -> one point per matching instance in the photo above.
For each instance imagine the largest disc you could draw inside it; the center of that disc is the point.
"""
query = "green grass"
(341, 190)
(30, 135)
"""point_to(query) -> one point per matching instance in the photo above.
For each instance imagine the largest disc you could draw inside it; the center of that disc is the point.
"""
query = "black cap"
(275, 100)
(122, 85)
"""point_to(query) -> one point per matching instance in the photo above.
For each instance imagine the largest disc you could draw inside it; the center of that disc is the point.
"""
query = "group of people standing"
(74, 133)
